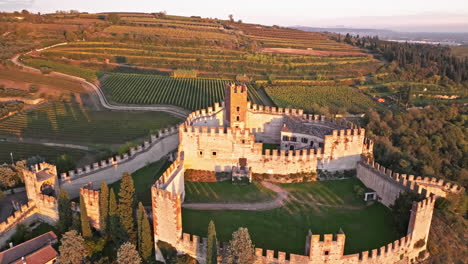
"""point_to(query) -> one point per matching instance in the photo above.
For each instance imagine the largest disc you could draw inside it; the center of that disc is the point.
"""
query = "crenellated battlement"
(25, 211)
(204, 114)
(166, 176)
(294, 155)
(46, 200)
(425, 185)
(228, 132)
(425, 204)
(166, 194)
(44, 166)
(118, 159)
(268, 256)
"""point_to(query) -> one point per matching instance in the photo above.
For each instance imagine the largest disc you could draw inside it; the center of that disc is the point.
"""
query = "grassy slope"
(24, 151)
(286, 228)
(143, 179)
(67, 122)
(226, 192)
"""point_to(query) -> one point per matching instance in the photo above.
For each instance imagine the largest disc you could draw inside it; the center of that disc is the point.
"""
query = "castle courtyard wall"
(113, 172)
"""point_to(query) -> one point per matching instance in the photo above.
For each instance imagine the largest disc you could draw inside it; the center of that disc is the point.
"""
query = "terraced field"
(71, 123)
(312, 98)
(188, 93)
(24, 151)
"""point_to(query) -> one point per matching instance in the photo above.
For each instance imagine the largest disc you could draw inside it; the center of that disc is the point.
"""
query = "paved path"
(279, 201)
(102, 100)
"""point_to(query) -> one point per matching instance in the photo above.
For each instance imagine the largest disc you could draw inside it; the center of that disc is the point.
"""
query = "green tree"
(401, 209)
(85, 226)
(104, 206)
(65, 212)
(127, 205)
(116, 230)
(240, 250)
(212, 248)
(145, 237)
(128, 254)
(72, 248)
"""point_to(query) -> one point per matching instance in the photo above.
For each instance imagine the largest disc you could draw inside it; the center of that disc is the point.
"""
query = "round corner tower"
(236, 105)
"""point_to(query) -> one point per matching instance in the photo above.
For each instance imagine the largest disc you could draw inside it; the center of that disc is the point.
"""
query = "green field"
(72, 123)
(312, 98)
(285, 229)
(152, 89)
(24, 151)
(143, 179)
(222, 192)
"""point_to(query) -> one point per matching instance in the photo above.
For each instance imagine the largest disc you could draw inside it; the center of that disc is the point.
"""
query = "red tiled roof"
(27, 248)
(43, 255)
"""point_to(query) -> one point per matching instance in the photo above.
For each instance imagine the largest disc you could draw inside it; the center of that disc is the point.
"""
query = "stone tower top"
(41, 180)
(236, 105)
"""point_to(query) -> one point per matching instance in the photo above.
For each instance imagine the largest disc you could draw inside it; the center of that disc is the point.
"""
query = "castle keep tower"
(236, 105)
(42, 187)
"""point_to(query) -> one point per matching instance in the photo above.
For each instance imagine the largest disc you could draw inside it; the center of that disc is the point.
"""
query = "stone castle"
(230, 138)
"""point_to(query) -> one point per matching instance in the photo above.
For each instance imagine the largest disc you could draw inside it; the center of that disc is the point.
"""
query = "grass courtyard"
(224, 192)
(322, 207)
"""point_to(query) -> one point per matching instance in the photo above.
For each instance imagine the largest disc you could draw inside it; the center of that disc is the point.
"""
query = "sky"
(402, 15)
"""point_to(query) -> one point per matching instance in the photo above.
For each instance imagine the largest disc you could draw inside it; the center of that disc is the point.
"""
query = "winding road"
(99, 97)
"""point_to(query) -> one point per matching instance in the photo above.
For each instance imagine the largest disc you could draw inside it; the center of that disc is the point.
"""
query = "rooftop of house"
(295, 124)
(37, 250)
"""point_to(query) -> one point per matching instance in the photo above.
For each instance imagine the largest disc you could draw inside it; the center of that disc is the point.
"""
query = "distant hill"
(444, 38)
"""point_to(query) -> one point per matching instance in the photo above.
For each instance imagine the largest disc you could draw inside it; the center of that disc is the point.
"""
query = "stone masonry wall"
(91, 199)
(389, 184)
(111, 170)
(167, 216)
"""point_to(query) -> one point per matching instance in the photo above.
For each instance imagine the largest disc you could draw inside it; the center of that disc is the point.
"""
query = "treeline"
(421, 60)
(426, 142)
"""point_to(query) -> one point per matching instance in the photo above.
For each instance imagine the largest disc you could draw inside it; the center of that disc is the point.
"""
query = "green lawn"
(143, 179)
(72, 123)
(285, 229)
(222, 192)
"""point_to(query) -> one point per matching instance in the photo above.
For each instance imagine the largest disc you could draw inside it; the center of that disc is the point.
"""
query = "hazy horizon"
(399, 15)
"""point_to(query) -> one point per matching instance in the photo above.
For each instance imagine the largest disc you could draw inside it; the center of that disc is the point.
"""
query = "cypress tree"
(127, 205)
(112, 203)
(116, 229)
(104, 206)
(65, 212)
(85, 226)
(212, 249)
(145, 237)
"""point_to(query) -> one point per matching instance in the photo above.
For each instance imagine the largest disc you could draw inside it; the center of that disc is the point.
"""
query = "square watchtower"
(236, 105)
